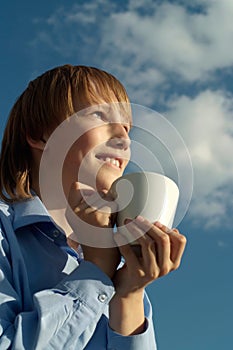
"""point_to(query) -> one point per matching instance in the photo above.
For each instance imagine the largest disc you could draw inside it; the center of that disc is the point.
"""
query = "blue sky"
(177, 59)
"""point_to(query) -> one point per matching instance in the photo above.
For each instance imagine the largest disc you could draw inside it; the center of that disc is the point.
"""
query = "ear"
(36, 144)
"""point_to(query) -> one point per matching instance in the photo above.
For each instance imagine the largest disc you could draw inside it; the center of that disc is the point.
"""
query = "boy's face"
(100, 155)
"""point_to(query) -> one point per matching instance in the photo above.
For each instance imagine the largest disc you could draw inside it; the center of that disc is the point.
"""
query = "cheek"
(84, 146)
(90, 140)
(79, 149)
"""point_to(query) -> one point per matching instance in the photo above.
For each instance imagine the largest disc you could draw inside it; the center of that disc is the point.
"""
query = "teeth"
(113, 161)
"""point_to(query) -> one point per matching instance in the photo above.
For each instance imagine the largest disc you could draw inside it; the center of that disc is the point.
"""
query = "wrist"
(126, 314)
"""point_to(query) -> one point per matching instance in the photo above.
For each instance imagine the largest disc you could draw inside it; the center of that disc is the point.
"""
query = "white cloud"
(151, 46)
(165, 36)
(206, 124)
(145, 43)
(171, 39)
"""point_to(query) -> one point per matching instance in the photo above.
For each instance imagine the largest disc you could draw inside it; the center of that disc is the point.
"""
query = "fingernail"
(158, 224)
(140, 218)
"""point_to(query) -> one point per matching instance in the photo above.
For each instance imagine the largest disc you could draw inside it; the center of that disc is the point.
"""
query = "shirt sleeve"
(145, 340)
(63, 317)
(82, 298)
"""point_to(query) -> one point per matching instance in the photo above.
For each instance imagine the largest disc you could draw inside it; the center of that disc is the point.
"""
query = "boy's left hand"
(161, 253)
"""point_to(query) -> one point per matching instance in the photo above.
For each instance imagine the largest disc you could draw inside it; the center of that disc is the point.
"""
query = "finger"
(91, 196)
(126, 251)
(105, 207)
(152, 269)
(162, 241)
(147, 258)
(90, 199)
(76, 194)
(161, 226)
(146, 242)
(94, 201)
(178, 243)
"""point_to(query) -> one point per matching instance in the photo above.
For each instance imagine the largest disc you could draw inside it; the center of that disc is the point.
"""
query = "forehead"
(105, 92)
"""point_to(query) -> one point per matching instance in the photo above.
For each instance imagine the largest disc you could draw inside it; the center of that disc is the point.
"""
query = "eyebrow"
(107, 108)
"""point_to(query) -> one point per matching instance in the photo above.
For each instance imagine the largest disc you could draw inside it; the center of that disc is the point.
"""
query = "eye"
(127, 128)
(97, 114)
(100, 115)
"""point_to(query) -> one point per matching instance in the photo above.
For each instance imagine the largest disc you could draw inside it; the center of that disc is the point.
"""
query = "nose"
(120, 137)
(120, 143)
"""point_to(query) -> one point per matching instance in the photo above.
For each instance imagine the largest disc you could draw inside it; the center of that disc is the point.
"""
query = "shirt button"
(102, 297)
(56, 233)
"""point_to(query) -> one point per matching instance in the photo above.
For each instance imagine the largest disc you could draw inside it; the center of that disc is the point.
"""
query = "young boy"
(49, 297)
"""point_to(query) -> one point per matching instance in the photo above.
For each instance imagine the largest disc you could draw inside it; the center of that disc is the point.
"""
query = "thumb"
(76, 193)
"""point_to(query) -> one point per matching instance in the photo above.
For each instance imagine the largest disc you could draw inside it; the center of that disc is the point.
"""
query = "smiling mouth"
(117, 162)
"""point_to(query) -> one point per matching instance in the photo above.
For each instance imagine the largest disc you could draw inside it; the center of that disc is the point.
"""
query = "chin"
(105, 182)
(103, 185)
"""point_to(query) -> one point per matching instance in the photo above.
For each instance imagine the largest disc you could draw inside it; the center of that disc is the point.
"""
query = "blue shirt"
(49, 299)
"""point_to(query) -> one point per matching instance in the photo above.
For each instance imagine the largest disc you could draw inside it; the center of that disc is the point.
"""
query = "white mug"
(151, 195)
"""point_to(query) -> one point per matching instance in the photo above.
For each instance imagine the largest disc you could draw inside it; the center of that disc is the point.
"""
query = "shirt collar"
(29, 212)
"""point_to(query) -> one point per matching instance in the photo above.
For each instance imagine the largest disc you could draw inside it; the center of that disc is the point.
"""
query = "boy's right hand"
(92, 222)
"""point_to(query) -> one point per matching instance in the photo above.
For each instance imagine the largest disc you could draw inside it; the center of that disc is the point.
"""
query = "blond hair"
(48, 100)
